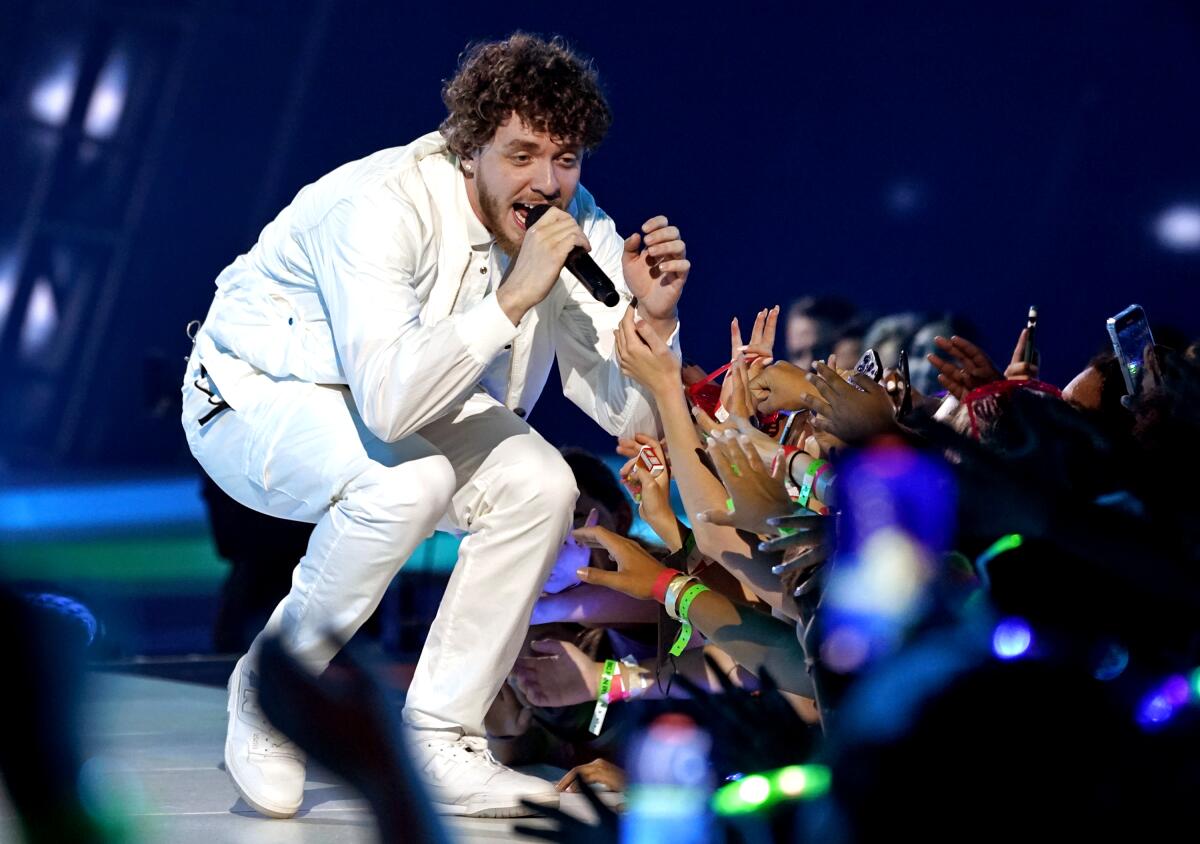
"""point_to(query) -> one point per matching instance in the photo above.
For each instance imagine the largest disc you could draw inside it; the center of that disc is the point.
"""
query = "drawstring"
(218, 403)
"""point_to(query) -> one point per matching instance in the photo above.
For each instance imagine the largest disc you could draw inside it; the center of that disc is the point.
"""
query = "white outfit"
(378, 389)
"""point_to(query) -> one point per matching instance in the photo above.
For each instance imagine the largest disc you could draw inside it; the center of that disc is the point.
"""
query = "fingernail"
(581, 573)
(702, 517)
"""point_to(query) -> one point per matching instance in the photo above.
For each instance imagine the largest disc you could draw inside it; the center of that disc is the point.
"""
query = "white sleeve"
(402, 374)
(587, 360)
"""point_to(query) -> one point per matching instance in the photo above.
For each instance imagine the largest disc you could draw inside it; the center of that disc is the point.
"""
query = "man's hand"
(656, 267)
(537, 266)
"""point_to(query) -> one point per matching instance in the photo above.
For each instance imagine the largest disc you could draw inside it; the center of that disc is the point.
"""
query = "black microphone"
(581, 265)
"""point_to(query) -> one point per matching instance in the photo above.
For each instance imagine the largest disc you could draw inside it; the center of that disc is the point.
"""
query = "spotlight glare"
(108, 99)
(1011, 638)
(1155, 710)
(50, 101)
(1114, 661)
(754, 789)
(41, 318)
(792, 780)
(1175, 690)
(1196, 684)
(1178, 228)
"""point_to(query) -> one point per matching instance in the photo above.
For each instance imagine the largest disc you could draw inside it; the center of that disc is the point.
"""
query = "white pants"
(300, 451)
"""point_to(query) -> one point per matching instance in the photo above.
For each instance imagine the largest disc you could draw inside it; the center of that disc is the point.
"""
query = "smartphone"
(650, 461)
(905, 385)
(870, 365)
(1031, 354)
(1131, 339)
(792, 416)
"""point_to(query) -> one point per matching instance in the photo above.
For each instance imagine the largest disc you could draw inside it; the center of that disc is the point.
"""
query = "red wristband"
(659, 590)
(616, 691)
(782, 454)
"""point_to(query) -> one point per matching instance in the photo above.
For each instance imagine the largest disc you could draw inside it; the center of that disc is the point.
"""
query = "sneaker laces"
(476, 749)
(274, 741)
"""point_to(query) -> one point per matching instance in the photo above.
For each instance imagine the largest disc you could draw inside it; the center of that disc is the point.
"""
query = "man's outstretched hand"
(656, 267)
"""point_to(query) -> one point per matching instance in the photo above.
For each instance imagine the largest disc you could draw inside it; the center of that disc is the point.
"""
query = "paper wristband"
(617, 691)
(659, 589)
(685, 602)
(610, 666)
(810, 476)
(675, 589)
(685, 632)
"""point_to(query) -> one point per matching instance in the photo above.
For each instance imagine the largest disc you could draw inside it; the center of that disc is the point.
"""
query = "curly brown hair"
(545, 83)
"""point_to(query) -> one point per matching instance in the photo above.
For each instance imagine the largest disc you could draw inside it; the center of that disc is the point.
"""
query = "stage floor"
(156, 746)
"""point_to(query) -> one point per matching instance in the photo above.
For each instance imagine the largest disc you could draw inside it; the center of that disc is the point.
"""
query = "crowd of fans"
(965, 597)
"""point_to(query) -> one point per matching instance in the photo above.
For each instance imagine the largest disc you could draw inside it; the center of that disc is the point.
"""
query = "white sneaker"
(265, 766)
(464, 778)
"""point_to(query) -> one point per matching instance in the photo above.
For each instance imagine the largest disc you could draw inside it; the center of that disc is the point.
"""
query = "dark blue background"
(910, 156)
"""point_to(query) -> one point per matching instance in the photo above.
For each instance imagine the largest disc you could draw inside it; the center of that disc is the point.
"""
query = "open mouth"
(521, 211)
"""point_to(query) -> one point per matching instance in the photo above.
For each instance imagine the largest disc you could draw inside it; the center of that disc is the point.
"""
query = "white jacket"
(355, 283)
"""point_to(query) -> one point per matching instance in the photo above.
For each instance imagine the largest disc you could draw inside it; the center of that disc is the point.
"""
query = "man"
(368, 365)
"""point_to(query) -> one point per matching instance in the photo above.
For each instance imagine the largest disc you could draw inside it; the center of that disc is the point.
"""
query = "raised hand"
(1018, 369)
(964, 367)
(756, 493)
(762, 336)
(653, 492)
(656, 267)
(636, 569)
(780, 386)
(850, 414)
(735, 391)
(645, 357)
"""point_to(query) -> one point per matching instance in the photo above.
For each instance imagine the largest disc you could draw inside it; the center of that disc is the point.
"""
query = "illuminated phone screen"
(1131, 337)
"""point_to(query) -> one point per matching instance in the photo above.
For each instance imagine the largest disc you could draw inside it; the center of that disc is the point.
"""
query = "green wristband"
(610, 668)
(810, 477)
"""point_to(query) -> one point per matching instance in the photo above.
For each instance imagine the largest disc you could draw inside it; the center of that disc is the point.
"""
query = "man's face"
(801, 337)
(516, 169)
